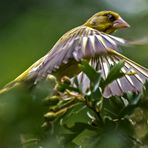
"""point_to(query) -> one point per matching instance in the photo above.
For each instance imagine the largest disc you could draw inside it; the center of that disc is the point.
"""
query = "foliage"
(73, 118)
(90, 120)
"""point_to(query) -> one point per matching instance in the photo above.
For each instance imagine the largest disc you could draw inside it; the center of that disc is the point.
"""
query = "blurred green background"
(29, 29)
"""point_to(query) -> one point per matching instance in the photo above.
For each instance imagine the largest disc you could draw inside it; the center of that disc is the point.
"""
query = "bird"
(91, 41)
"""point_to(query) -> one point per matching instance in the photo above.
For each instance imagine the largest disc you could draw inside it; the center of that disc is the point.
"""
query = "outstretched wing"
(81, 42)
(131, 83)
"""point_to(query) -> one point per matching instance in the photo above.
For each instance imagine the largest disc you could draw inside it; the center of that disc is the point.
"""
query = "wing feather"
(128, 83)
(81, 42)
(84, 42)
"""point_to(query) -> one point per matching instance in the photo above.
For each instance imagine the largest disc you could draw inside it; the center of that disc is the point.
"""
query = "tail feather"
(9, 87)
(23, 78)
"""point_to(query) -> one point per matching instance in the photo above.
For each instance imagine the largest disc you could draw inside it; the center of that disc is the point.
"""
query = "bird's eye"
(111, 17)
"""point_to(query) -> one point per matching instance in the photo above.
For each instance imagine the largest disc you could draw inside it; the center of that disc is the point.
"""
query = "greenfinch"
(91, 41)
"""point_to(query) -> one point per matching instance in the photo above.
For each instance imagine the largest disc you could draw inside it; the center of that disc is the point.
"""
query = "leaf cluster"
(90, 120)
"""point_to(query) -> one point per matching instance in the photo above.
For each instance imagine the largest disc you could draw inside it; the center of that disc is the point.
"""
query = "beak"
(120, 23)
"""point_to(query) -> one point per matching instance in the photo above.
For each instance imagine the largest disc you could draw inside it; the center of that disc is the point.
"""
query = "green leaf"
(93, 75)
(115, 73)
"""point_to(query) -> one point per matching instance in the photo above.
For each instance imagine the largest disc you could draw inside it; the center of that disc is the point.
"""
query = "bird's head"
(106, 21)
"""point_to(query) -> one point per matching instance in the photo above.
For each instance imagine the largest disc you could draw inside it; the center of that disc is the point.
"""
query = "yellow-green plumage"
(100, 21)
